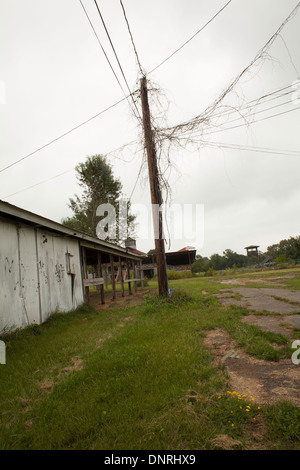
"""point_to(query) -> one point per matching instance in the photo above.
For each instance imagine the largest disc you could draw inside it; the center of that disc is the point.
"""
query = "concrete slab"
(279, 324)
(282, 301)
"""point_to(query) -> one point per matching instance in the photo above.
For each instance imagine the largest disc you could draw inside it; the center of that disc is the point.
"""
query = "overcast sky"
(54, 76)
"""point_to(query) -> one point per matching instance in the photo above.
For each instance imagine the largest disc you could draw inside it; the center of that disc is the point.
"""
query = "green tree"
(217, 262)
(289, 248)
(200, 265)
(231, 258)
(96, 178)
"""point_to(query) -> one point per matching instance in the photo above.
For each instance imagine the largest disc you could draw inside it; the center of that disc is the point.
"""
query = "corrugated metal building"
(43, 267)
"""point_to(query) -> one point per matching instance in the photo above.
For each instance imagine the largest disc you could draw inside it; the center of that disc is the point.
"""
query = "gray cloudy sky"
(56, 76)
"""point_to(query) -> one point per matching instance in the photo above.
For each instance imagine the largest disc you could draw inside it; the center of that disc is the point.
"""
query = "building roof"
(134, 250)
(16, 213)
(185, 256)
(187, 248)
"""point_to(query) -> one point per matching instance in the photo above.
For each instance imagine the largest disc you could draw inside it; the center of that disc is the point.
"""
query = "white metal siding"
(34, 281)
(29, 286)
(12, 312)
(55, 282)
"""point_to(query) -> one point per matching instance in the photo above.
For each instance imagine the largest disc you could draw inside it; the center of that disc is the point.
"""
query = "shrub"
(179, 297)
(210, 272)
(176, 297)
(174, 275)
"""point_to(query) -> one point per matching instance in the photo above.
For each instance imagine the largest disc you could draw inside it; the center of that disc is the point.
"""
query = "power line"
(102, 48)
(248, 105)
(253, 122)
(290, 56)
(189, 126)
(136, 181)
(68, 171)
(83, 123)
(258, 101)
(257, 112)
(275, 115)
(291, 153)
(65, 134)
(37, 184)
(131, 37)
(116, 56)
(260, 54)
(190, 39)
(106, 56)
(247, 148)
(131, 94)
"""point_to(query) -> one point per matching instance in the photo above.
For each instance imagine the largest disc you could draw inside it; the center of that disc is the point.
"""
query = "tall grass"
(133, 378)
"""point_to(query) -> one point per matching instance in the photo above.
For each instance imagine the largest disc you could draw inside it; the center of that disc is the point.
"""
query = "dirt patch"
(77, 365)
(127, 301)
(46, 385)
(125, 320)
(267, 382)
(224, 442)
(25, 402)
(282, 301)
(270, 280)
(100, 341)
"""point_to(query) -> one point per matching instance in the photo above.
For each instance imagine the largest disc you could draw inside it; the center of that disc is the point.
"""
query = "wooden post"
(128, 273)
(189, 255)
(100, 275)
(134, 275)
(121, 276)
(85, 275)
(156, 197)
(141, 275)
(113, 281)
(106, 276)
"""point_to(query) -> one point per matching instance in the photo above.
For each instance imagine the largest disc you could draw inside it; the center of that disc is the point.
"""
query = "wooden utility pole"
(156, 197)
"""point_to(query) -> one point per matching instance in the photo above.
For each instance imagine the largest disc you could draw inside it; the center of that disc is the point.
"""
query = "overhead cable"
(63, 135)
(131, 37)
(190, 39)
(117, 58)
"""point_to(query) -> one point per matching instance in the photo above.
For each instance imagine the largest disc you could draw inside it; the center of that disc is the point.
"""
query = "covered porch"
(109, 272)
